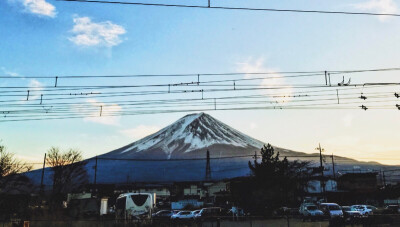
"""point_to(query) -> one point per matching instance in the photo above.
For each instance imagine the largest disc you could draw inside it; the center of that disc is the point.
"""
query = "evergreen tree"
(276, 182)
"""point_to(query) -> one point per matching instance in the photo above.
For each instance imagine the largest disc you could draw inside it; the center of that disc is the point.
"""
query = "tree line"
(68, 175)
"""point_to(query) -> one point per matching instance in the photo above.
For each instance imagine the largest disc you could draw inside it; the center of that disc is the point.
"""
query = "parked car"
(211, 212)
(182, 215)
(195, 212)
(236, 211)
(163, 214)
(332, 210)
(391, 209)
(351, 215)
(372, 208)
(310, 211)
(363, 209)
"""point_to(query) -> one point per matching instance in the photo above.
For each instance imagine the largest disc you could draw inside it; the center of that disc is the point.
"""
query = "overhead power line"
(236, 8)
(282, 73)
(70, 101)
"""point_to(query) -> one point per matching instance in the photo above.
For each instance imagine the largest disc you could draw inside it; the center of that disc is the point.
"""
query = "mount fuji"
(177, 153)
(190, 136)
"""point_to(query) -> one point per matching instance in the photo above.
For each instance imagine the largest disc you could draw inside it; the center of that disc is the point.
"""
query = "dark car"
(163, 214)
(211, 213)
(351, 215)
(391, 209)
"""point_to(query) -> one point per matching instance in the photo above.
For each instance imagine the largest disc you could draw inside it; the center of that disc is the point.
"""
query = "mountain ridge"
(177, 153)
(189, 136)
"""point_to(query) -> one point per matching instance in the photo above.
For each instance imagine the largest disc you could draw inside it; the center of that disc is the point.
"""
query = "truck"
(135, 206)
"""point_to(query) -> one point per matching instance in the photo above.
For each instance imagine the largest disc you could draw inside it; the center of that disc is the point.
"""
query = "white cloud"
(40, 7)
(37, 7)
(106, 111)
(9, 73)
(88, 33)
(36, 86)
(140, 132)
(275, 79)
(378, 6)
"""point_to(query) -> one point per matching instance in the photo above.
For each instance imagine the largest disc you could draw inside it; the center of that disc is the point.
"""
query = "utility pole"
(208, 167)
(44, 166)
(322, 181)
(333, 170)
(333, 167)
(41, 181)
(95, 175)
(384, 179)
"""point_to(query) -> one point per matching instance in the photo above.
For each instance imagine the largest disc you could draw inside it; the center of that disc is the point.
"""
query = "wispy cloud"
(36, 87)
(378, 6)
(257, 65)
(88, 33)
(140, 131)
(37, 7)
(106, 110)
(8, 72)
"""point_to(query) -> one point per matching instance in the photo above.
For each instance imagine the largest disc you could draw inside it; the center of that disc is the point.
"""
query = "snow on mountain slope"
(190, 133)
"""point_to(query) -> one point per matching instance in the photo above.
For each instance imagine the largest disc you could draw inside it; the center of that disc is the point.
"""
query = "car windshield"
(334, 207)
(311, 207)
(184, 212)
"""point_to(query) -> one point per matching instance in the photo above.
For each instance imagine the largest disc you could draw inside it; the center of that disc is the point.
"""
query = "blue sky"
(52, 38)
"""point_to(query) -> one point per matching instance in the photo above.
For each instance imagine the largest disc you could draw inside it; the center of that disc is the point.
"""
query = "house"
(358, 182)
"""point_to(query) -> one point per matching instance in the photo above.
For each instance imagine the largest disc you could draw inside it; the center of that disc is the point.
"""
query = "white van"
(333, 210)
(134, 206)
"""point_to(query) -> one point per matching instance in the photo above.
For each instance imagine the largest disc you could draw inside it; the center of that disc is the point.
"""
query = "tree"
(276, 182)
(10, 168)
(69, 172)
(9, 165)
(15, 188)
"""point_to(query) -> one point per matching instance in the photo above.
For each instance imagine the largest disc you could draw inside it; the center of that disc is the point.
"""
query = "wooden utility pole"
(95, 174)
(255, 156)
(322, 181)
(333, 167)
(41, 181)
(208, 167)
(384, 179)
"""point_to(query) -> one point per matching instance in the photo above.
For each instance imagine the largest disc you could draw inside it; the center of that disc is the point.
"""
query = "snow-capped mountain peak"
(192, 132)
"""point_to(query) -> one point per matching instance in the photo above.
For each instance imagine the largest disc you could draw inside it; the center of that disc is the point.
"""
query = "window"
(334, 207)
(121, 202)
(311, 207)
(139, 200)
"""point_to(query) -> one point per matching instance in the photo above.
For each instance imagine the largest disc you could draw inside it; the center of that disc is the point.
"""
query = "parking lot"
(374, 220)
(222, 223)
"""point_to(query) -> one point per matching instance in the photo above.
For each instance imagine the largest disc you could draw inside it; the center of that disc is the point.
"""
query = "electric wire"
(235, 8)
